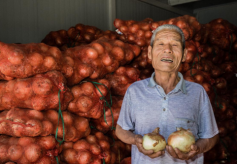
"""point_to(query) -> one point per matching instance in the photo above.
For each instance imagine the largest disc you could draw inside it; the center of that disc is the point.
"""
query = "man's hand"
(149, 153)
(176, 153)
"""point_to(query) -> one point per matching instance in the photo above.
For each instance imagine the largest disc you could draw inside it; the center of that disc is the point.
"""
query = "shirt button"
(164, 109)
(164, 98)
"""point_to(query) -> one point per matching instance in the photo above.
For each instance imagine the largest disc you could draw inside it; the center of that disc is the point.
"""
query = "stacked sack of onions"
(97, 59)
(41, 106)
(75, 36)
(135, 32)
(188, 24)
(32, 99)
(218, 60)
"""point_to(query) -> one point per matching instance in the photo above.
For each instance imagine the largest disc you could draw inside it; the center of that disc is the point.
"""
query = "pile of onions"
(188, 24)
(39, 92)
(126, 161)
(222, 33)
(109, 120)
(181, 139)
(143, 63)
(202, 35)
(154, 141)
(91, 149)
(74, 36)
(108, 34)
(122, 78)
(25, 60)
(121, 150)
(31, 123)
(56, 38)
(135, 32)
(28, 150)
(88, 100)
(97, 59)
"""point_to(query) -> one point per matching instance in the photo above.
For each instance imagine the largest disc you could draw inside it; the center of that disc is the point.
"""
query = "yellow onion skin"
(181, 139)
(154, 141)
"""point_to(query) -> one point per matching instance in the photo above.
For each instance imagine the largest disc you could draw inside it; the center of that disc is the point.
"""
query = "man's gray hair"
(168, 27)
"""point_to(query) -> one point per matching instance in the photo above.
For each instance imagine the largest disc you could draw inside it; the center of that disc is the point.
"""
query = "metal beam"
(167, 7)
(175, 2)
(112, 14)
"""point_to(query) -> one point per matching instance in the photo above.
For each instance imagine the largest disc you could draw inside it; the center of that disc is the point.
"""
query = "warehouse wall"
(25, 21)
(227, 11)
(137, 10)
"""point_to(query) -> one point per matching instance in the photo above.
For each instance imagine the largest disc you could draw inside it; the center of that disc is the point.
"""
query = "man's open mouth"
(167, 60)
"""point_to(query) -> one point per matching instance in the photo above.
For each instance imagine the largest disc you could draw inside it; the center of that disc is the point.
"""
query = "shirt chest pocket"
(184, 123)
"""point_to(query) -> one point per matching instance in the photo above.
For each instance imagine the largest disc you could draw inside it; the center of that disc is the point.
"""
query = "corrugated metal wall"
(158, 14)
(26, 21)
(18, 20)
(137, 10)
(227, 12)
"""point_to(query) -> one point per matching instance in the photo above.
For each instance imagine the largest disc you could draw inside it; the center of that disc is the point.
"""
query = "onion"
(181, 139)
(154, 141)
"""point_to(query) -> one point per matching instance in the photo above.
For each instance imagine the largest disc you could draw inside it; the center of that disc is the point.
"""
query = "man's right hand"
(149, 153)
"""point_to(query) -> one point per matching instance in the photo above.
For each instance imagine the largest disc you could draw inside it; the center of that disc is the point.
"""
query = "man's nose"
(167, 48)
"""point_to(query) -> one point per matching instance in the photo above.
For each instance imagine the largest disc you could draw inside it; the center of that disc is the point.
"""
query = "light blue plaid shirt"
(146, 106)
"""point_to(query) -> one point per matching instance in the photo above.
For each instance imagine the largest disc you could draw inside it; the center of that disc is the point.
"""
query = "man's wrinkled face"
(167, 52)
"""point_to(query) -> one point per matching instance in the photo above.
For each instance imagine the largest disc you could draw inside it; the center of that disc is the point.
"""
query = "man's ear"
(149, 52)
(184, 55)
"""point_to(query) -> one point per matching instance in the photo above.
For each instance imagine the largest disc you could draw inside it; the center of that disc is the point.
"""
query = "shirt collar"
(180, 86)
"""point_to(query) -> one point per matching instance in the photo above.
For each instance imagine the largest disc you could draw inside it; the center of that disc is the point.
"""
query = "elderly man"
(167, 101)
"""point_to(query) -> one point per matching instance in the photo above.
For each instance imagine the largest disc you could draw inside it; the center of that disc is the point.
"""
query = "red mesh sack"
(90, 37)
(83, 33)
(93, 149)
(25, 122)
(39, 92)
(97, 59)
(222, 34)
(121, 150)
(108, 34)
(56, 38)
(122, 78)
(146, 72)
(135, 32)
(89, 98)
(74, 70)
(28, 150)
(74, 36)
(25, 60)
(126, 161)
(109, 121)
(188, 24)
(192, 51)
(142, 61)
(203, 34)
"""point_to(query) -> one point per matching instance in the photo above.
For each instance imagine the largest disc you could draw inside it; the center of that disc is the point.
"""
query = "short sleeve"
(207, 122)
(125, 117)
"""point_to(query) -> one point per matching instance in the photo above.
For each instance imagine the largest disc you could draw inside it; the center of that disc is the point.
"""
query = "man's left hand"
(176, 153)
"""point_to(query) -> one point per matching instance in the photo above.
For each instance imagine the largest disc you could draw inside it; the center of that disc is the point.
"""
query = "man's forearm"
(125, 135)
(207, 144)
